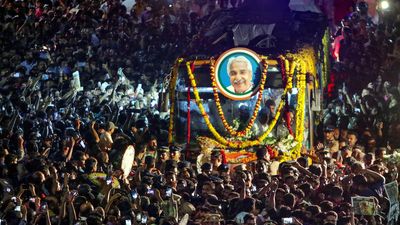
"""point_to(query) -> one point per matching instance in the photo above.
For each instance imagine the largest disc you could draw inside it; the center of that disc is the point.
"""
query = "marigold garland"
(253, 118)
(325, 52)
(206, 118)
(222, 140)
(300, 114)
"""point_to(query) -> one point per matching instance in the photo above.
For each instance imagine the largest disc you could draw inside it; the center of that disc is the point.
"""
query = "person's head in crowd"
(110, 127)
(326, 205)
(175, 153)
(334, 194)
(163, 153)
(171, 165)
(264, 116)
(261, 167)
(380, 152)
(289, 200)
(360, 184)
(303, 161)
(369, 159)
(352, 139)
(91, 165)
(329, 133)
(103, 157)
(358, 152)
(336, 133)
(207, 188)
(331, 217)
(206, 169)
(216, 159)
(370, 145)
(249, 219)
(306, 188)
(262, 154)
(357, 167)
(171, 179)
(392, 172)
(152, 142)
(270, 105)
(149, 162)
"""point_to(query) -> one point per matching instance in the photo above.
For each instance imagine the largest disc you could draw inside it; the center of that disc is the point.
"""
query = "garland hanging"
(301, 86)
(222, 140)
(325, 55)
(282, 62)
(188, 116)
(253, 118)
(300, 114)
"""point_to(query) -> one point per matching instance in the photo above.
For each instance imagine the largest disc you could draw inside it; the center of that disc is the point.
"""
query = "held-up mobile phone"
(150, 192)
(108, 180)
(74, 193)
(288, 220)
(144, 219)
(168, 192)
(44, 206)
(139, 217)
(32, 200)
(134, 194)
(17, 208)
(128, 222)
(82, 144)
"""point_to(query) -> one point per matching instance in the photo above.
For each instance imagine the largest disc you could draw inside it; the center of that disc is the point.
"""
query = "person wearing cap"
(175, 153)
(329, 140)
(163, 156)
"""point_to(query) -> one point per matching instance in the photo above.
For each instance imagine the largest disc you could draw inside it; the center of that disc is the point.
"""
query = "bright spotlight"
(384, 5)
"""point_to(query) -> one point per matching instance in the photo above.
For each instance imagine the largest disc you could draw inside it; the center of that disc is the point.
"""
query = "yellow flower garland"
(172, 85)
(253, 118)
(325, 52)
(220, 139)
(303, 66)
(300, 113)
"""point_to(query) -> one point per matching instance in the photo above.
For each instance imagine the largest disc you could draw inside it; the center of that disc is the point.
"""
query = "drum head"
(127, 160)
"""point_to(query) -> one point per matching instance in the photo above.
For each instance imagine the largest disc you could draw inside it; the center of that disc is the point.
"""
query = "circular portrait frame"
(245, 87)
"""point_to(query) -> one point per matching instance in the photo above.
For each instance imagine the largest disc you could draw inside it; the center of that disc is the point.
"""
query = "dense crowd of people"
(82, 80)
(362, 48)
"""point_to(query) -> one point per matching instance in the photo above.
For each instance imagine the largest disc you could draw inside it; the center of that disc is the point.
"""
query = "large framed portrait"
(238, 73)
